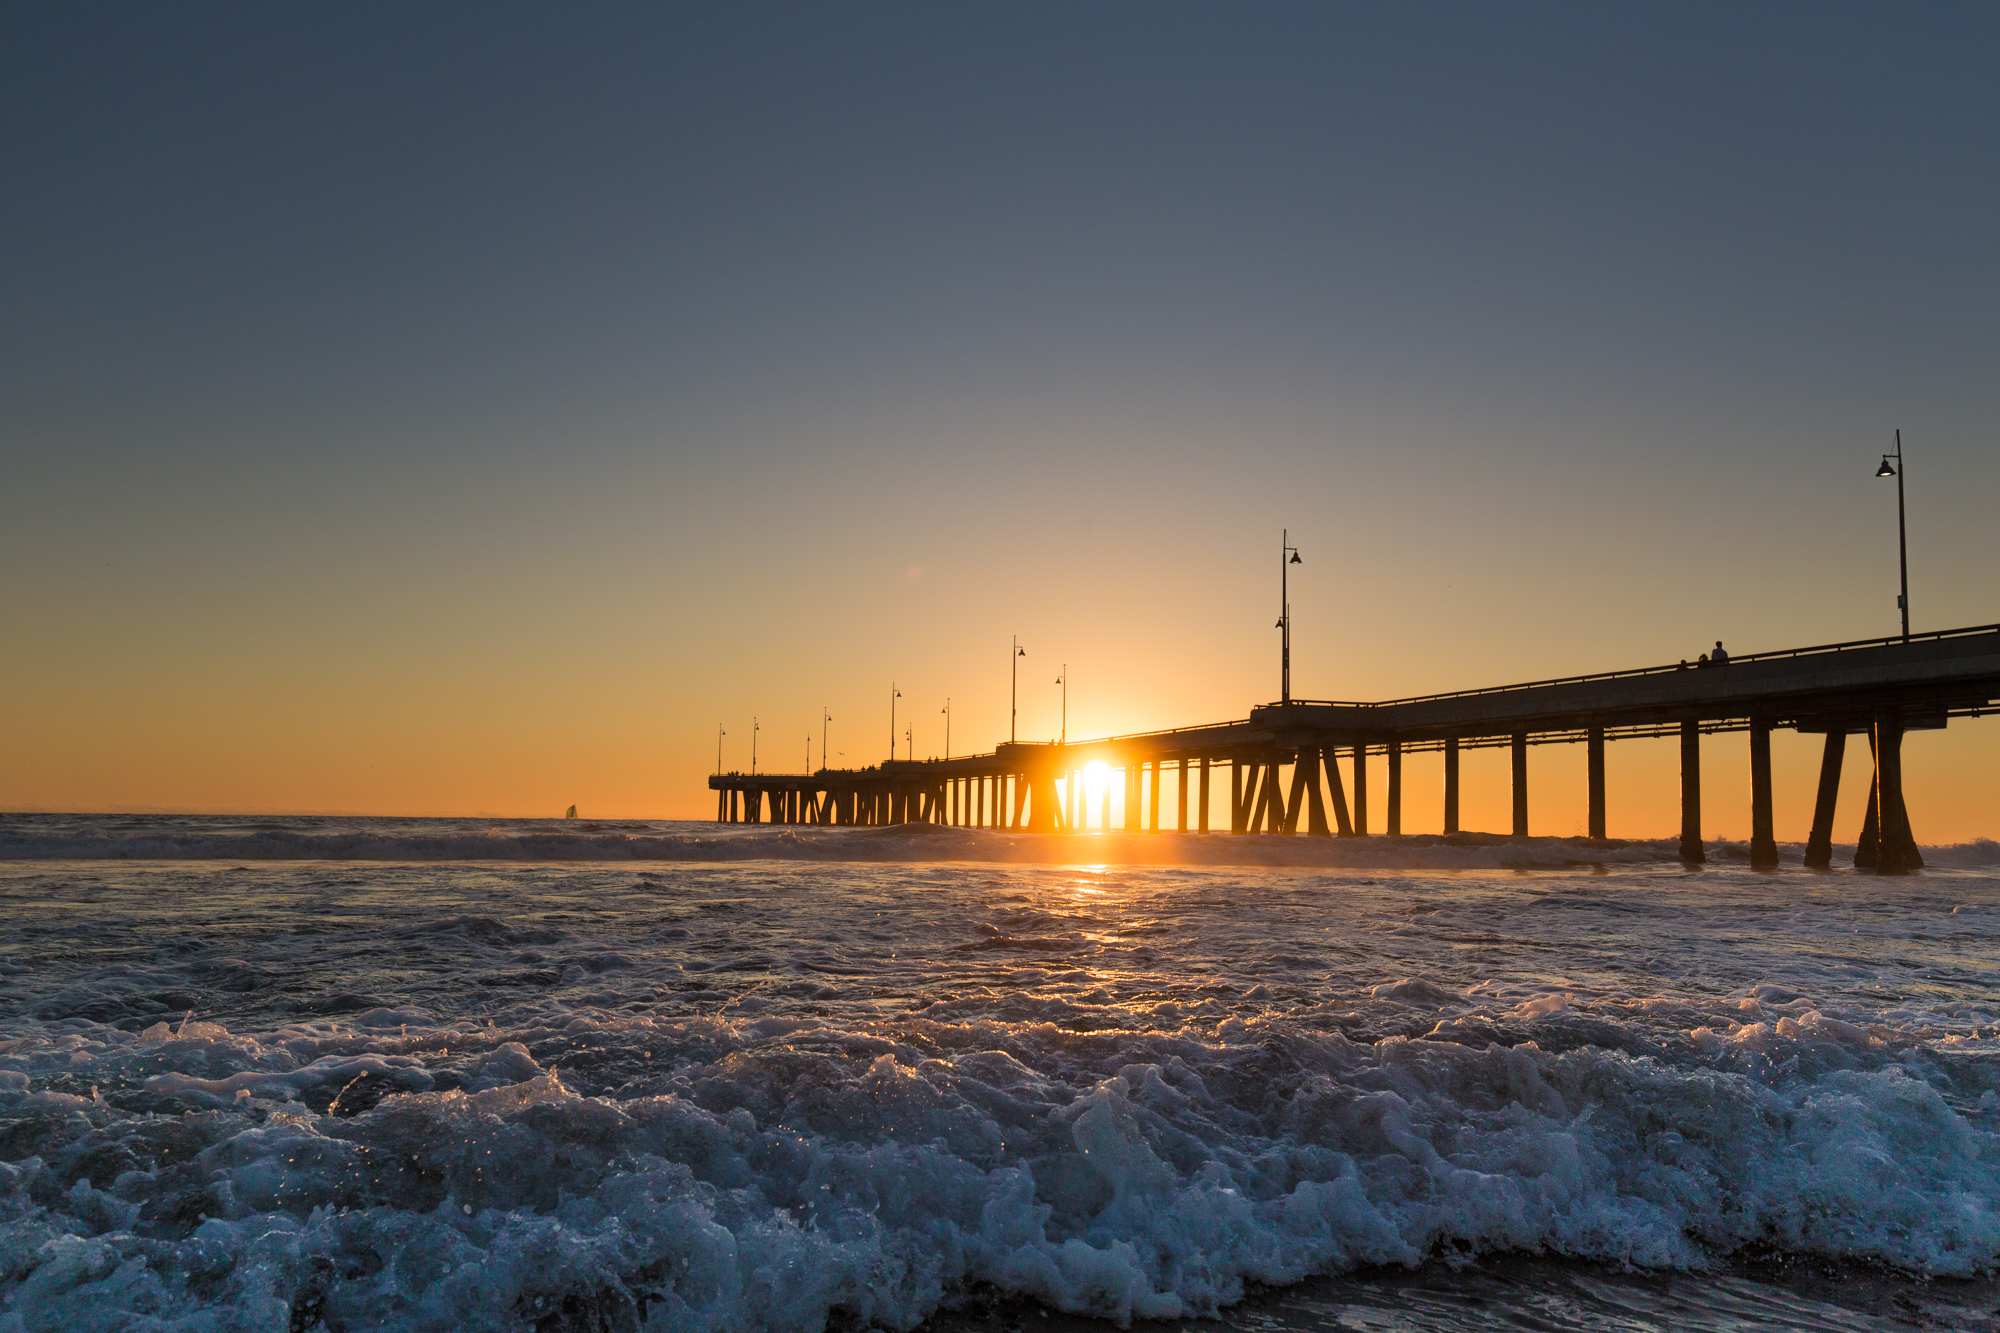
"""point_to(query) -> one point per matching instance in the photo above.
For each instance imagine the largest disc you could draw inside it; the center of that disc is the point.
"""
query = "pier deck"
(1876, 687)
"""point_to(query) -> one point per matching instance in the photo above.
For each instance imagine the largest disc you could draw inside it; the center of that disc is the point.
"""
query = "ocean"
(300, 1073)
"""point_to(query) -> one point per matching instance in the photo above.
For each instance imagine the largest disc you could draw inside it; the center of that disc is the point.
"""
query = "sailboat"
(570, 813)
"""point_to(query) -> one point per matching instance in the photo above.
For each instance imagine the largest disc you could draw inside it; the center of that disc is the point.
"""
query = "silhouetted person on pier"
(1702, 661)
(1718, 657)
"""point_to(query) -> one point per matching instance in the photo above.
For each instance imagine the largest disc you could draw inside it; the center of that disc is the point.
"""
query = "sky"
(471, 409)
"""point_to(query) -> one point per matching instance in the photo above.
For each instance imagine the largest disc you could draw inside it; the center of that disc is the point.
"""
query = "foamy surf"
(783, 1094)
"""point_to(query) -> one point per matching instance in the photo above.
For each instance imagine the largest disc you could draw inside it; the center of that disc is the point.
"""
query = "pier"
(1283, 761)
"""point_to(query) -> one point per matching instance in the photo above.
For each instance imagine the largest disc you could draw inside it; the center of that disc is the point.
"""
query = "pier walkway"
(1284, 775)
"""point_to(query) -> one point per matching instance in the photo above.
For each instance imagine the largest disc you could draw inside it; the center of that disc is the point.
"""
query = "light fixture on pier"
(1895, 470)
(1014, 688)
(1285, 548)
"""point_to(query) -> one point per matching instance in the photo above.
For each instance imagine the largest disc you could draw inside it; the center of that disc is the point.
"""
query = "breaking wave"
(243, 1094)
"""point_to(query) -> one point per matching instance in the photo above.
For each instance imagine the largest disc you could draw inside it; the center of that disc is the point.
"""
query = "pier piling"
(1691, 848)
(1520, 767)
(1763, 840)
(1450, 785)
(1594, 747)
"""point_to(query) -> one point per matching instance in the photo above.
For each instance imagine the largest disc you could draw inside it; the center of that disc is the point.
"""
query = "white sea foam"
(746, 1097)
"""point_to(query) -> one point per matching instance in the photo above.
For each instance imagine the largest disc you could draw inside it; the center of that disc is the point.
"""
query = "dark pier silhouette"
(1283, 776)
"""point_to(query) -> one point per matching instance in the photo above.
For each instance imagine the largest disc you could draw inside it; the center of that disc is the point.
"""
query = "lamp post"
(824, 718)
(894, 694)
(1014, 694)
(754, 728)
(1285, 614)
(1902, 541)
(1063, 680)
(910, 739)
(809, 752)
(947, 727)
(719, 734)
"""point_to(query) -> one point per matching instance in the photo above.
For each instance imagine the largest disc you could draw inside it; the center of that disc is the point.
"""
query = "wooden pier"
(1283, 776)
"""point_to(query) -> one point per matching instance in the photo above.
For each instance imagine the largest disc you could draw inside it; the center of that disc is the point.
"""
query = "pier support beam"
(1153, 797)
(1202, 811)
(1336, 795)
(1898, 853)
(1594, 744)
(1392, 815)
(1691, 849)
(1520, 784)
(1180, 797)
(1868, 846)
(1819, 843)
(1450, 785)
(1039, 790)
(1296, 802)
(1316, 825)
(1763, 839)
(1361, 791)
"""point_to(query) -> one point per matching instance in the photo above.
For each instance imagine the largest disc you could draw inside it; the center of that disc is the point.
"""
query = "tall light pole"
(1063, 680)
(947, 727)
(910, 739)
(1014, 695)
(719, 734)
(894, 694)
(824, 718)
(809, 752)
(1285, 614)
(1902, 541)
(754, 728)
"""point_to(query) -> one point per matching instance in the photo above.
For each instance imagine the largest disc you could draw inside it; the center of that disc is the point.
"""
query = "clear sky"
(467, 409)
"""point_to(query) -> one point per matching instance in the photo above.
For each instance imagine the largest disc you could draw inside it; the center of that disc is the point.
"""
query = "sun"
(1096, 774)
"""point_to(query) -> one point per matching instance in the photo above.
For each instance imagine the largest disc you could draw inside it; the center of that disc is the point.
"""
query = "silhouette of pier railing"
(1283, 759)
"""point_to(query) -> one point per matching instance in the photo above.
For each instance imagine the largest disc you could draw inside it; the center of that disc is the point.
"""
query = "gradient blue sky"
(467, 408)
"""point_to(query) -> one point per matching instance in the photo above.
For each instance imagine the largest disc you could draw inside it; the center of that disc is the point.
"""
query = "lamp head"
(1887, 469)
(1295, 559)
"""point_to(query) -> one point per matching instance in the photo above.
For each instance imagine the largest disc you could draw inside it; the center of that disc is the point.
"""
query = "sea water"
(289, 1074)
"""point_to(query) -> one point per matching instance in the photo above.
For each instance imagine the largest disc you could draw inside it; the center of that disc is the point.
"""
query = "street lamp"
(824, 718)
(1063, 680)
(910, 739)
(719, 734)
(1285, 615)
(754, 728)
(946, 710)
(894, 694)
(1014, 697)
(1902, 541)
